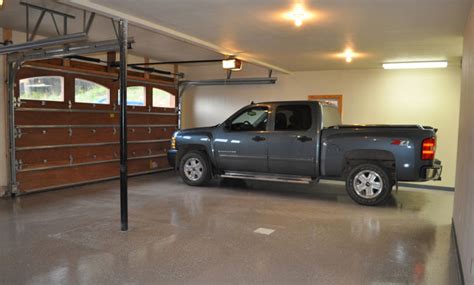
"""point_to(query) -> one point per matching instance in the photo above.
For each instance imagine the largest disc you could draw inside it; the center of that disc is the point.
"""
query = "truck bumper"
(172, 157)
(433, 172)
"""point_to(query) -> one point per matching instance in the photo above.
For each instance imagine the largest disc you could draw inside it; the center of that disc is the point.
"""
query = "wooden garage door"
(62, 141)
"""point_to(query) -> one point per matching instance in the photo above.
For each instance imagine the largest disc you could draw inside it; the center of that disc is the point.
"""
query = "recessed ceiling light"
(348, 53)
(298, 15)
(415, 65)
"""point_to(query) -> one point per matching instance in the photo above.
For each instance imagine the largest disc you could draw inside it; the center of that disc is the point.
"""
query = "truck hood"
(195, 130)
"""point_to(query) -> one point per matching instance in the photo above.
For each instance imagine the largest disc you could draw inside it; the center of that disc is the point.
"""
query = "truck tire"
(194, 168)
(368, 184)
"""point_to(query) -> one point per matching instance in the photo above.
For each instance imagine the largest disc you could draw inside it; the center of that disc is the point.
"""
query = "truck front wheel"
(194, 168)
(368, 184)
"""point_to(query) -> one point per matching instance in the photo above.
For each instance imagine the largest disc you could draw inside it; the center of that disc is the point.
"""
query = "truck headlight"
(173, 142)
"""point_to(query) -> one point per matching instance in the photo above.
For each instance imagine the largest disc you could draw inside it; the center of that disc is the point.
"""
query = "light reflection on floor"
(204, 235)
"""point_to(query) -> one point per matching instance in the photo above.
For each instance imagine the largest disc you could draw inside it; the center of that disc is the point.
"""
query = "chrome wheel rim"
(193, 169)
(368, 184)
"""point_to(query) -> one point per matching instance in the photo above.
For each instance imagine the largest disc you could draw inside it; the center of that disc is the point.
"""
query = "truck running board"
(268, 177)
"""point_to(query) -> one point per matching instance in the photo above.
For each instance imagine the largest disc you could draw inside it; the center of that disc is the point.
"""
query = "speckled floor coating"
(205, 235)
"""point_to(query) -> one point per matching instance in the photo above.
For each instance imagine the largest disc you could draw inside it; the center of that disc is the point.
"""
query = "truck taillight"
(428, 149)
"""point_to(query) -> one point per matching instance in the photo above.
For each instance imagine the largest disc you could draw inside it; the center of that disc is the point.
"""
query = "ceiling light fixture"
(415, 65)
(298, 14)
(232, 64)
(1, 3)
(348, 54)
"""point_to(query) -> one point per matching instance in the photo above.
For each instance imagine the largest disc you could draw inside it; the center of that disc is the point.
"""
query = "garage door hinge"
(71, 159)
(17, 133)
(69, 132)
(13, 189)
(17, 102)
(18, 164)
(69, 104)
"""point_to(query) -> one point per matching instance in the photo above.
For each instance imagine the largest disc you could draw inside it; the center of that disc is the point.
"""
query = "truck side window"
(253, 119)
(293, 118)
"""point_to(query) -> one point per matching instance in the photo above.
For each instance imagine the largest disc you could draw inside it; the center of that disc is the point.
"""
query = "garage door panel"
(43, 104)
(44, 158)
(148, 164)
(31, 181)
(149, 133)
(67, 143)
(29, 117)
(39, 180)
(65, 118)
(35, 137)
(140, 150)
(30, 159)
(41, 137)
(61, 136)
(165, 132)
(92, 107)
(149, 119)
(65, 156)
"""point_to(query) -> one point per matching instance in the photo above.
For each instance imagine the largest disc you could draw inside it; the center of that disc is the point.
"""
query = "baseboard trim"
(458, 255)
(428, 187)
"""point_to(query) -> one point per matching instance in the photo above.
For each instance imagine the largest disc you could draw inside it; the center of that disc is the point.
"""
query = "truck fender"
(205, 148)
(383, 158)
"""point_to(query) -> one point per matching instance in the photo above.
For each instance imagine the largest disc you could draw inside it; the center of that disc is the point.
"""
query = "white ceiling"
(382, 30)
(148, 43)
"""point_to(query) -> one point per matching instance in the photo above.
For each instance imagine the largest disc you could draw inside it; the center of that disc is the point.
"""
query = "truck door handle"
(304, 138)
(258, 138)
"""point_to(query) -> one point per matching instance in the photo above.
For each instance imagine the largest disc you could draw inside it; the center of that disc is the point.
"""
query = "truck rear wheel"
(194, 168)
(368, 184)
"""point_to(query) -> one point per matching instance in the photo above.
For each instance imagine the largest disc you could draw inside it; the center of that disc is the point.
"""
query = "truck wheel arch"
(193, 147)
(382, 158)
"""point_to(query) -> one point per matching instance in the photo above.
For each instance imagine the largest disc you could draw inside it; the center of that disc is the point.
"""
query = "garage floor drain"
(264, 231)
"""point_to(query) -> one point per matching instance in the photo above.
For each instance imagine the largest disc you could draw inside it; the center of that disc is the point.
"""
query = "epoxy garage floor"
(237, 233)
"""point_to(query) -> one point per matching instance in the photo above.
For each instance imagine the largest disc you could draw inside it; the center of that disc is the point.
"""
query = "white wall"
(464, 196)
(428, 97)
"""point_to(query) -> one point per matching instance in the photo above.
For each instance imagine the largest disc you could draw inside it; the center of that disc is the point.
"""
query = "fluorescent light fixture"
(415, 65)
(232, 63)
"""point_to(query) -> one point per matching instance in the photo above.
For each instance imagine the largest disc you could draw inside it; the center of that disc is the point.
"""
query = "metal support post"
(123, 31)
(12, 69)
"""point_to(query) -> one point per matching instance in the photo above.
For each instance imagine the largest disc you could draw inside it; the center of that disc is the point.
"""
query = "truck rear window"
(293, 118)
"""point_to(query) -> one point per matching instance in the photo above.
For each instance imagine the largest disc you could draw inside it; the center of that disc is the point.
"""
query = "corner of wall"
(463, 214)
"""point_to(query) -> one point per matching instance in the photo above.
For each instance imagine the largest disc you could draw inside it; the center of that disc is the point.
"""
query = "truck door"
(292, 143)
(241, 145)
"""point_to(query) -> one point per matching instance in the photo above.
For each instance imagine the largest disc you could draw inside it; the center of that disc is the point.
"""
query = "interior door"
(241, 145)
(292, 143)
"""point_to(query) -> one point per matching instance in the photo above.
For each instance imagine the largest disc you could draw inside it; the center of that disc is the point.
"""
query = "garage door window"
(136, 96)
(91, 92)
(163, 99)
(43, 88)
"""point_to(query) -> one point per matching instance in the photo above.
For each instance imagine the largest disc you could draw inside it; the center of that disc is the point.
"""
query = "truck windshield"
(252, 119)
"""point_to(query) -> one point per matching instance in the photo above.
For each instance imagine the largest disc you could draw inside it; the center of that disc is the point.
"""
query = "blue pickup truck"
(302, 141)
